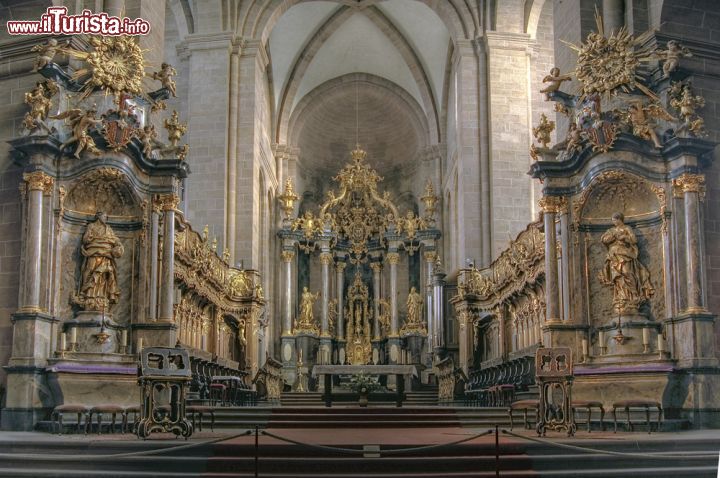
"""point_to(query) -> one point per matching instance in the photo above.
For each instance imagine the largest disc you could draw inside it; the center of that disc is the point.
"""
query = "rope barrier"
(158, 451)
(383, 452)
(670, 456)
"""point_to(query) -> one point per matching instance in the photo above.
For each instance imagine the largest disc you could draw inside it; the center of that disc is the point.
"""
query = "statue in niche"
(413, 323)
(306, 321)
(623, 270)
(98, 283)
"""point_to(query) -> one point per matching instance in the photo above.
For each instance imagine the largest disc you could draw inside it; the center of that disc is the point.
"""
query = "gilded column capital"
(326, 258)
(393, 258)
(168, 202)
(340, 266)
(430, 256)
(37, 180)
(376, 267)
(689, 183)
(553, 204)
(287, 256)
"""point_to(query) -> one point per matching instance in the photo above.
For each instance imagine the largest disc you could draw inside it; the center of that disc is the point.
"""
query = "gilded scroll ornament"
(543, 130)
(690, 183)
(37, 180)
(288, 198)
(623, 270)
(175, 129)
(100, 249)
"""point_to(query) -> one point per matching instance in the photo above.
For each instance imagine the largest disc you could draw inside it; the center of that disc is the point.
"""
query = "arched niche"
(643, 206)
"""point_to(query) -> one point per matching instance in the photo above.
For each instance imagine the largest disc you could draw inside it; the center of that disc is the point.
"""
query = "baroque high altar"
(364, 315)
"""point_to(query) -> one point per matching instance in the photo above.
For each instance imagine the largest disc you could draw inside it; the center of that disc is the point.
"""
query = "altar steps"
(235, 458)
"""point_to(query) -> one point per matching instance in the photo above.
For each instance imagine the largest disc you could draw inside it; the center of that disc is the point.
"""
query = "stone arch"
(419, 121)
(533, 9)
(258, 17)
(183, 16)
(307, 55)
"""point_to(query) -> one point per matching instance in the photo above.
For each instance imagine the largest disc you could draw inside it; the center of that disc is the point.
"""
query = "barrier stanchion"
(257, 452)
(497, 452)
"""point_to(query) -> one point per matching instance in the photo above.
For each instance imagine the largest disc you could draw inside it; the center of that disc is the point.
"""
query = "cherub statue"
(164, 76)
(80, 123)
(411, 224)
(555, 80)
(384, 317)
(575, 139)
(332, 315)
(46, 53)
(175, 129)
(543, 130)
(672, 56)
(39, 99)
(182, 151)
(148, 137)
(641, 117)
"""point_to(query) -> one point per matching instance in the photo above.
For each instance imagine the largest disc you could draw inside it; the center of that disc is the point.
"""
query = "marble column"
(168, 204)
(693, 190)
(376, 268)
(287, 259)
(325, 261)
(430, 258)
(550, 206)
(564, 263)
(37, 183)
(438, 303)
(154, 243)
(340, 286)
(393, 259)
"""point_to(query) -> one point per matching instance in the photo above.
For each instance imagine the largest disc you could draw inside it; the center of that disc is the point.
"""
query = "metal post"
(257, 451)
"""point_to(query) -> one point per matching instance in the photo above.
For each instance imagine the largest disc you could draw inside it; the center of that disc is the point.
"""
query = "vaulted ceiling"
(392, 56)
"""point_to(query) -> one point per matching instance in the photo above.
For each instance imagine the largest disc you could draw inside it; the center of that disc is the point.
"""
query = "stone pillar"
(393, 338)
(37, 183)
(376, 268)
(465, 337)
(613, 13)
(693, 191)
(168, 204)
(340, 286)
(550, 206)
(430, 257)
(154, 244)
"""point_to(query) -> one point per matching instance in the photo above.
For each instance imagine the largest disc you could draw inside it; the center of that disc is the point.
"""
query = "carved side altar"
(357, 317)
(110, 265)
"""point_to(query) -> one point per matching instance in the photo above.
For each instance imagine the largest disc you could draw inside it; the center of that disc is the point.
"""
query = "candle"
(584, 347)
(123, 337)
(299, 355)
(646, 336)
(63, 341)
(139, 344)
(661, 343)
(601, 338)
(73, 335)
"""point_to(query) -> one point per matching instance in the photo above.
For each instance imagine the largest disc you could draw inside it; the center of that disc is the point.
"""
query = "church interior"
(304, 217)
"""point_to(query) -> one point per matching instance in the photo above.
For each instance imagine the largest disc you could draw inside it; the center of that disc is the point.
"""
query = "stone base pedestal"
(154, 334)
(625, 335)
(288, 356)
(308, 345)
(415, 349)
(692, 340)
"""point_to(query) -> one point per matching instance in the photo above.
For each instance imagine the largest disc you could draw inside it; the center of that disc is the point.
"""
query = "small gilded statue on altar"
(100, 249)
(414, 322)
(623, 270)
(306, 321)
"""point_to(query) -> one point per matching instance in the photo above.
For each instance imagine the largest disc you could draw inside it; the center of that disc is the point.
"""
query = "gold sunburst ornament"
(608, 65)
(115, 64)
